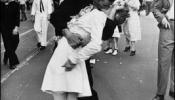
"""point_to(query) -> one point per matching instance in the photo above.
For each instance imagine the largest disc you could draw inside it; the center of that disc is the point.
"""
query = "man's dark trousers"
(94, 93)
(10, 43)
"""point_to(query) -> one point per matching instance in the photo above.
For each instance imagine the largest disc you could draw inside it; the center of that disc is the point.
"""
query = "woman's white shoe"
(115, 52)
(108, 51)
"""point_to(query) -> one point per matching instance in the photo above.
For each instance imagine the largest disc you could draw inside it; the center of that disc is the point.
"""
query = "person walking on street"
(9, 24)
(23, 9)
(163, 11)
(41, 10)
(132, 27)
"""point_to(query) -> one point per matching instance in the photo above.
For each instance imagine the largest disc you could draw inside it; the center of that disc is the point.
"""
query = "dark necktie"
(41, 6)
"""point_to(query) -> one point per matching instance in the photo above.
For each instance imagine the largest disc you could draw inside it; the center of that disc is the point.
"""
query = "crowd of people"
(81, 27)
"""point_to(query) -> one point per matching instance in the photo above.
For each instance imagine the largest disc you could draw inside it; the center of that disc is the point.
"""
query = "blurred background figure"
(148, 6)
(10, 20)
(41, 10)
(23, 9)
(163, 11)
(132, 28)
(29, 4)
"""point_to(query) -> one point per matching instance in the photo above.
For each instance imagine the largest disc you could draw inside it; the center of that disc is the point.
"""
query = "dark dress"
(9, 18)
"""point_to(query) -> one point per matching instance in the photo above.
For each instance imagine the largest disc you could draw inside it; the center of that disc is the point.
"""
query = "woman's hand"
(15, 30)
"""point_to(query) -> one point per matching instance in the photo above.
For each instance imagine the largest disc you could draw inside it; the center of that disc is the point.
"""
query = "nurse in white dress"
(132, 28)
(68, 85)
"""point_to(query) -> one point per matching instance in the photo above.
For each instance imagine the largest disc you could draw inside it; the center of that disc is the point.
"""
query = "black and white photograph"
(87, 49)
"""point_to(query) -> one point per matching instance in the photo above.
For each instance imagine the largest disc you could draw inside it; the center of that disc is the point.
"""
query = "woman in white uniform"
(66, 75)
(132, 28)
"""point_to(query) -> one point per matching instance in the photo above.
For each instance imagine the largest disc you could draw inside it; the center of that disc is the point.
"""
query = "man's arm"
(160, 9)
(98, 28)
(94, 46)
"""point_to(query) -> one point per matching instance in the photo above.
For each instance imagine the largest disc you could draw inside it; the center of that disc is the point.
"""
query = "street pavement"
(120, 77)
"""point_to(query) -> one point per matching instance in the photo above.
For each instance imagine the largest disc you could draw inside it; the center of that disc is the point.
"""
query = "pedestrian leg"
(24, 12)
(115, 50)
(44, 28)
(172, 64)
(37, 27)
(6, 43)
(6, 58)
(127, 36)
(94, 93)
(133, 48)
(13, 56)
(172, 74)
(165, 51)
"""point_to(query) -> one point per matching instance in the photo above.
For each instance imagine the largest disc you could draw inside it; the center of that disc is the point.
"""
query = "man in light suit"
(163, 11)
(42, 9)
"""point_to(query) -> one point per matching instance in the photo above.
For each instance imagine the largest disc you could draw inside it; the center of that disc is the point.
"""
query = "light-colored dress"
(56, 79)
(132, 27)
(116, 33)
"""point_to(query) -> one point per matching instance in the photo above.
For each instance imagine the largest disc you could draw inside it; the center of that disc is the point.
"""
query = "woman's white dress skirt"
(56, 79)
